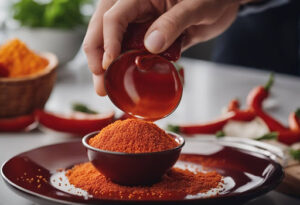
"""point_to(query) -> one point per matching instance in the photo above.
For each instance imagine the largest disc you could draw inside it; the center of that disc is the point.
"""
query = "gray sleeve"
(260, 7)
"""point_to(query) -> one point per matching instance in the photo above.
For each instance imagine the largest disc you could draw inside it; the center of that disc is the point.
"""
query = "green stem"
(173, 128)
(220, 134)
(268, 136)
(270, 82)
(295, 154)
(297, 112)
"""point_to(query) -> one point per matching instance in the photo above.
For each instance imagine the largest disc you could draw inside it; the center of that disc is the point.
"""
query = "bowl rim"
(52, 64)
(85, 143)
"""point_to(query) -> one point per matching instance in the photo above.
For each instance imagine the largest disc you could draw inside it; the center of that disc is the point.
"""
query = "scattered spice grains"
(133, 136)
(17, 60)
(175, 184)
(38, 180)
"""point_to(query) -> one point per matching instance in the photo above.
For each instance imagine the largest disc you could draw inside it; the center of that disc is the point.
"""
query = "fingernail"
(106, 60)
(155, 41)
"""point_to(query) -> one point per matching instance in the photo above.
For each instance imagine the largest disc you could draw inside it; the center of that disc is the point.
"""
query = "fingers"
(93, 41)
(163, 32)
(201, 33)
(171, 24)
(99, 84)
(115, 23)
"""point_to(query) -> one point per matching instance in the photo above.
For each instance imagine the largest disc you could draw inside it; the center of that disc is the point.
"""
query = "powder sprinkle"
(175, 184)
(133, 136)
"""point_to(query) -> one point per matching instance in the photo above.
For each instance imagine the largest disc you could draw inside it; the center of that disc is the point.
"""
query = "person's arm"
(259, 6)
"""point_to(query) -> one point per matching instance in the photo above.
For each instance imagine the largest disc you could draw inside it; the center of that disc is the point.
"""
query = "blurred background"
(59, 26)
(265, 37)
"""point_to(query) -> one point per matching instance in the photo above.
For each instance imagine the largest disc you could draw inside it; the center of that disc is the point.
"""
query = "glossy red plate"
(249, 172)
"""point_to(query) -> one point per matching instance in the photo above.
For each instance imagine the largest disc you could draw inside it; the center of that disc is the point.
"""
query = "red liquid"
(143, 85)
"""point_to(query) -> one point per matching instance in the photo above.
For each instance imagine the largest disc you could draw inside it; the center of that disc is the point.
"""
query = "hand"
(201, 20)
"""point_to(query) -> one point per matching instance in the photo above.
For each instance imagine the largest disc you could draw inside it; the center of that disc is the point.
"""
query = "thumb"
(166, 29)
(163, 32)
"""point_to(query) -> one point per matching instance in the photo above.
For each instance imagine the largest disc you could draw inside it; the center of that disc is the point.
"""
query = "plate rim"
(244, 195)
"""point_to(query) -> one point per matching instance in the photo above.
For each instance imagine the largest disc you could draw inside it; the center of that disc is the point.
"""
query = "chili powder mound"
(175, 184)
(19, 60)
(133, 136)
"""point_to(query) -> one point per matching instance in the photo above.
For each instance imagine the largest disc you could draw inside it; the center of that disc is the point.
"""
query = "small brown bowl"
(133, 168)
(22, 95)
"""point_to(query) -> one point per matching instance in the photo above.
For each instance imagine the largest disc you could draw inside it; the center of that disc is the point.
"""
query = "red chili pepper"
(256, 96)
(77, 124)
(272, 123)
(294, 120)
(287, 136)
(4, 72)
(233, 105)
(255, 101)
(16, 124)
(214, 126)
(134, 39)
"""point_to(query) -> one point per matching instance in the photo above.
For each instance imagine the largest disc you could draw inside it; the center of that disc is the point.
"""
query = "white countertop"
(208, 88)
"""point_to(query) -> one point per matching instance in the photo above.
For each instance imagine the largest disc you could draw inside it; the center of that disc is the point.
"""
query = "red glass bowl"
(143, 85)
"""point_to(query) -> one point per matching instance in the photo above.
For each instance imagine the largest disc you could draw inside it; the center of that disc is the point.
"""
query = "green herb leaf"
(295, 154)
(64, 14)
(269, 136)
(79, 107)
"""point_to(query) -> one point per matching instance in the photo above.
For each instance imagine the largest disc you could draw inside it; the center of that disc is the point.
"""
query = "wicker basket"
(20, 96)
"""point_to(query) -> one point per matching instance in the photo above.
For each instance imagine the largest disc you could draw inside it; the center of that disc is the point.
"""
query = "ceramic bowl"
(63, 43)
(133, 168)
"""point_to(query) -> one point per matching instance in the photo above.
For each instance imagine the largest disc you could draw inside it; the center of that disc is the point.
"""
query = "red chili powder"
(133, 136)
(175, 184)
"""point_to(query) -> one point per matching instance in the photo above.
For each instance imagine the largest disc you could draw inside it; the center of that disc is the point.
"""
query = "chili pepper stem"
(270, 82)
(297, 113)
(220, 134)
(173, 128)
(295, 154)
(268, 136)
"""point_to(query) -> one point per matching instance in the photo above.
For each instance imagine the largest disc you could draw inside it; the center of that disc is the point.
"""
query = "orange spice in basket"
(17, 60)
(133, 136)
(176, 183)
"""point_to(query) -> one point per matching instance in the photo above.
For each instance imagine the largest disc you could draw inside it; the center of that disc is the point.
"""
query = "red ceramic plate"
(249, 172)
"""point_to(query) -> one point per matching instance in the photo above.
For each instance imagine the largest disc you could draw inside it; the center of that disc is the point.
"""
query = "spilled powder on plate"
(183, 181)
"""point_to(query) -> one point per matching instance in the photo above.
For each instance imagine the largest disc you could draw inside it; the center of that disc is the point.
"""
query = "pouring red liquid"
(144, 85)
